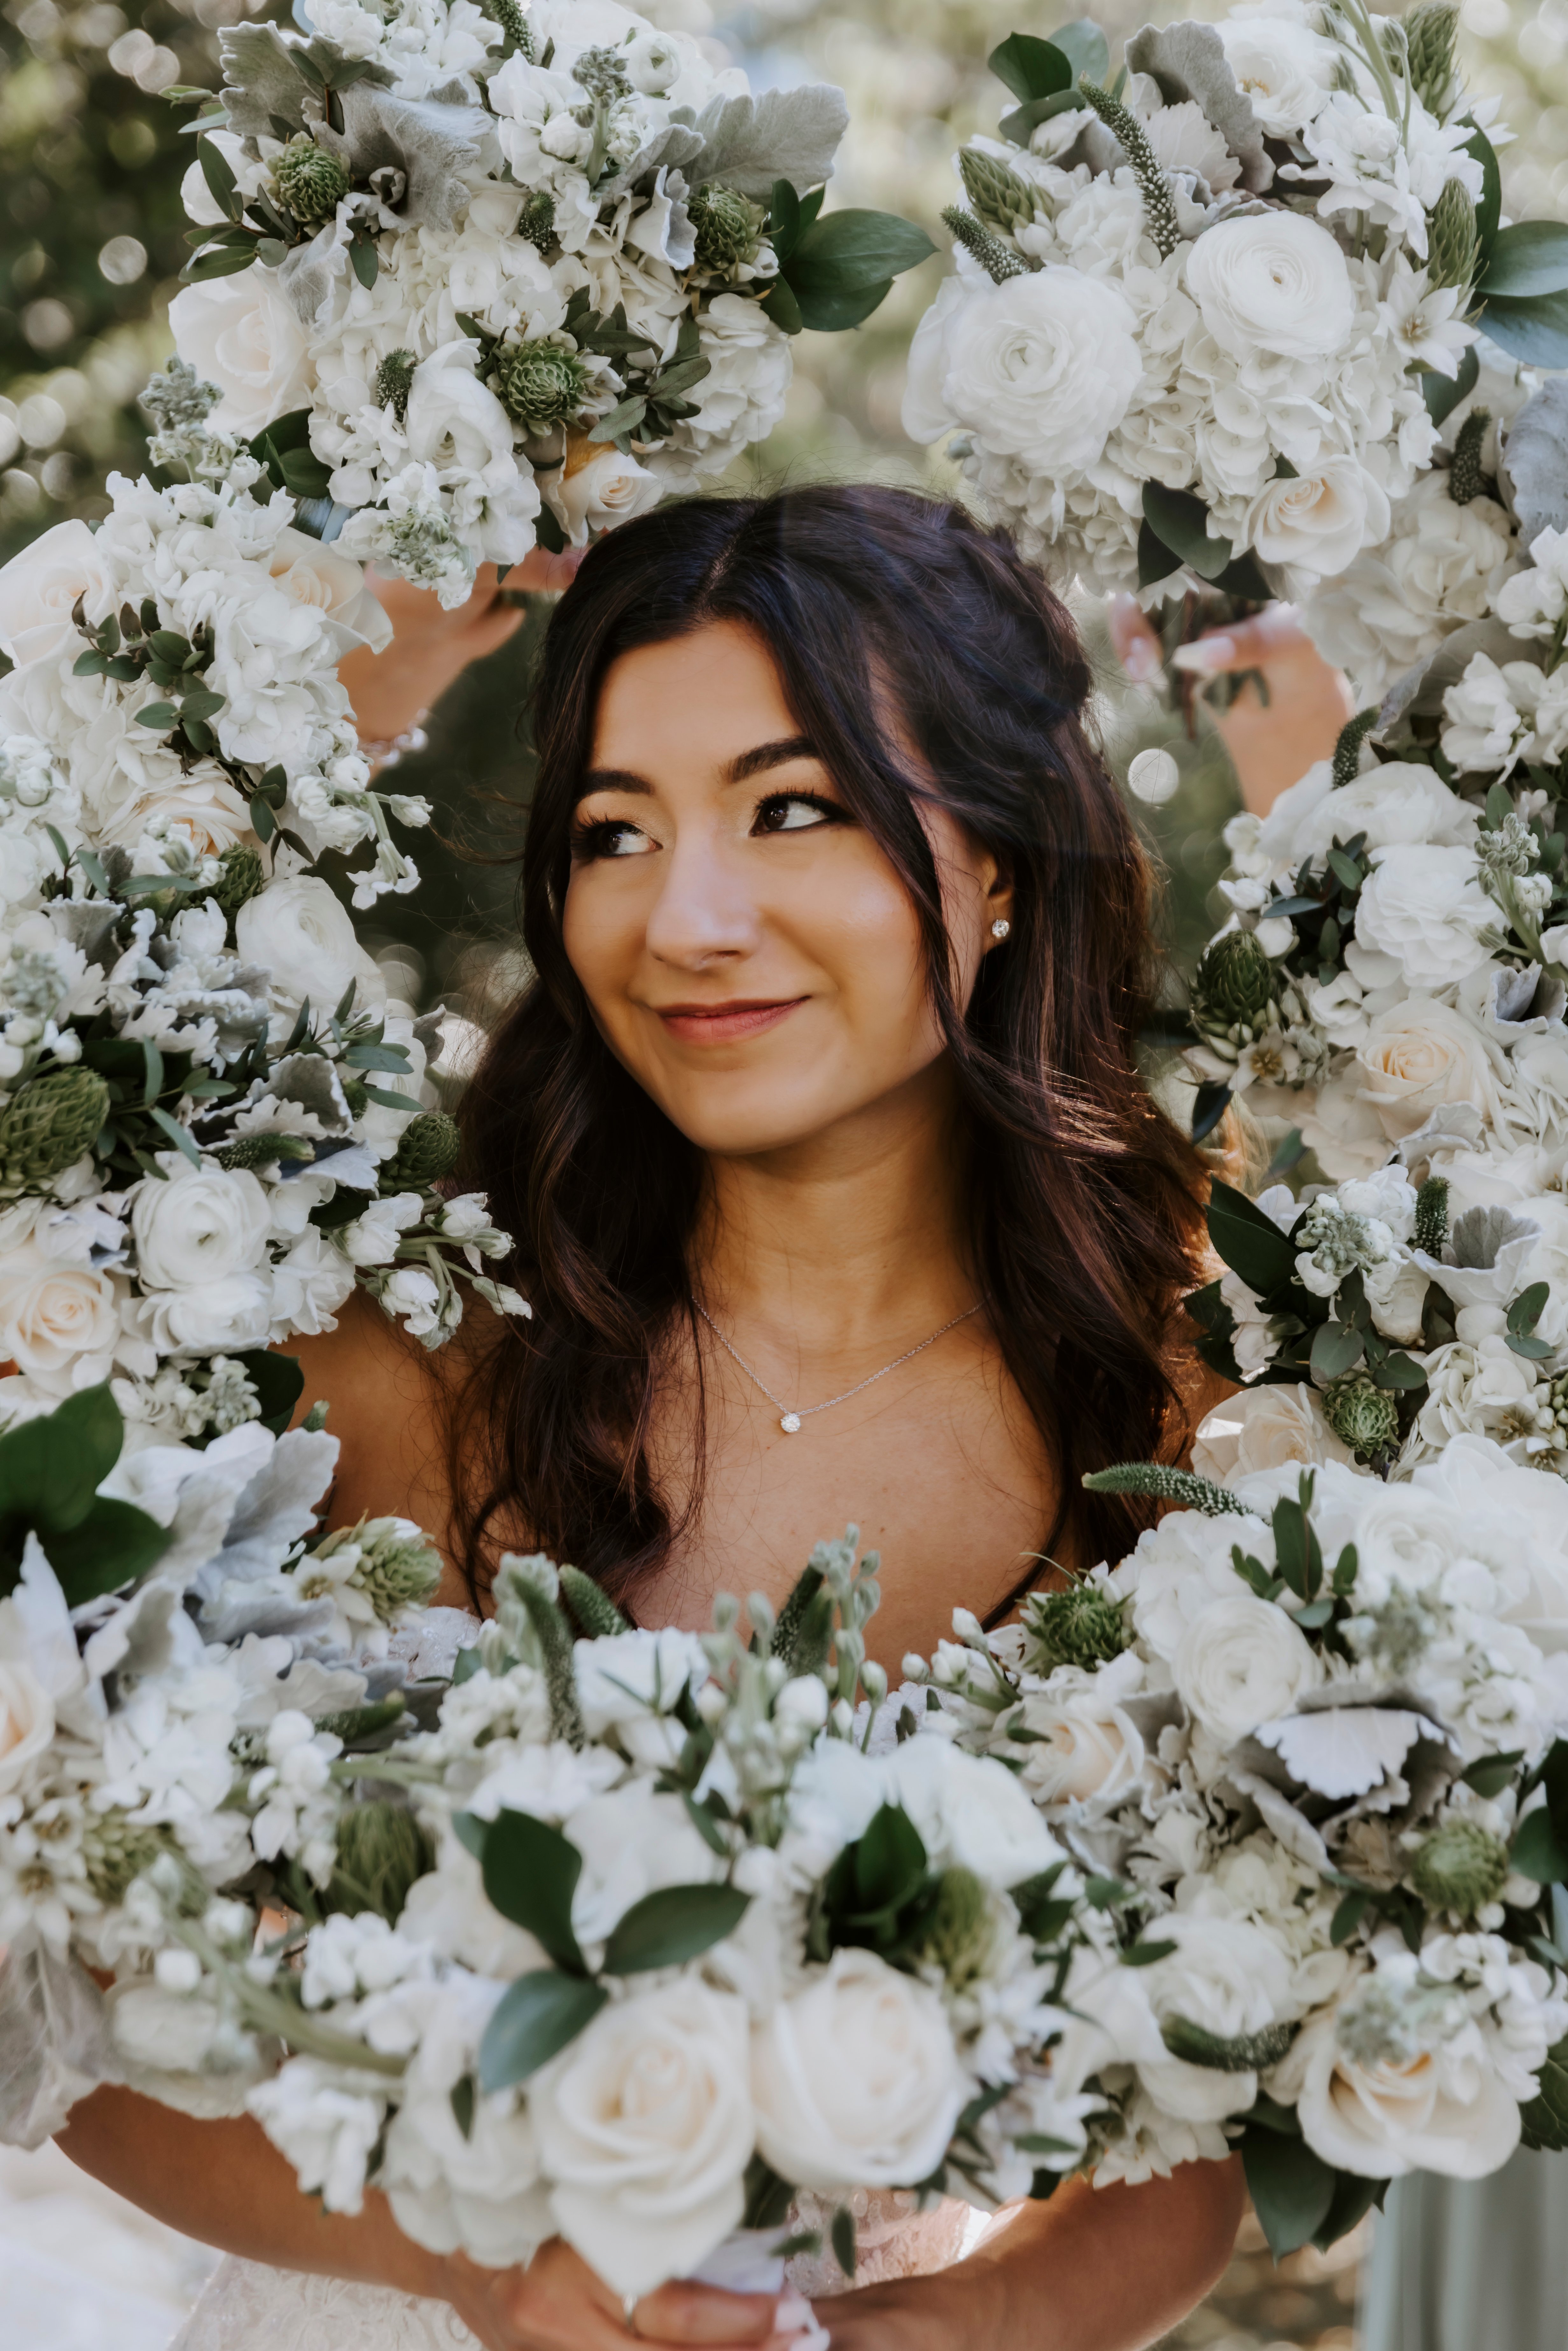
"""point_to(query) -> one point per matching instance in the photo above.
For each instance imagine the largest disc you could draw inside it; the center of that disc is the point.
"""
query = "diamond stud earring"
(1000, 928)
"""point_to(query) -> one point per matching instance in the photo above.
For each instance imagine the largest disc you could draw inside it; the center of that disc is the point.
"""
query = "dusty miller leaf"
(1189, 61)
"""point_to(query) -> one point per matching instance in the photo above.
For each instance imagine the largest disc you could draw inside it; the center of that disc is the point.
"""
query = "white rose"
(644, 2127)
(51, 1314)
(855, 2079)
(1319, 520)
(1260, 1429)
(1441, 2110)
(1042, 368)
(303, 938)
(1420, 1055)
(1272, 282)
(603, 487)
(242, 333)
(1229, 1979)
(454, 421)
(27, 1721)
(1242, 1662)
(1284, 71)
(39, 587)
(1085, 1746)
(198, 1225)
(1425, 906)
(330, 582)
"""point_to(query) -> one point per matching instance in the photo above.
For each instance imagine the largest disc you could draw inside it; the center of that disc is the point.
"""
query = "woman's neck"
(851, 1242)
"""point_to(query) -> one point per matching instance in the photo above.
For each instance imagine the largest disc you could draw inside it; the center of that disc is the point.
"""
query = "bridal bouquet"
(1209, 317)
(1313, 1725)
(702, 1941)
(475, 278)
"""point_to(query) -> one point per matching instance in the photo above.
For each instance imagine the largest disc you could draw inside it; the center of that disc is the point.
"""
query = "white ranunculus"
(1041, 367)
(1425, 906)
(1394, 805)
(198, 1226)
(971, 1814)
(634, 1841)
(1242, 1662)
(1318, 521)
(39, 587)
(1282, 69)
(645, 2128)
(1182, 1567)
(855, 2079)
(303, 938)
(52, 1314)
(27, 1720)
(1086, 1748)
(215, 1317)
(604, 488)
(1272, 282)
(1442, 2110)
(1420, 1055)
(243, 334)
(632, 1682)
(1262, 1427)
(454, 422)
(750, 363)
(1229, 1979)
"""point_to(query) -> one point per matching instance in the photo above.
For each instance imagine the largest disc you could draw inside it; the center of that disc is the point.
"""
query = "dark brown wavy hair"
(1083, 1199)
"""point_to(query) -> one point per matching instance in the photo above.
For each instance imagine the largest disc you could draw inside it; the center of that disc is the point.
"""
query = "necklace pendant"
(791, 1423)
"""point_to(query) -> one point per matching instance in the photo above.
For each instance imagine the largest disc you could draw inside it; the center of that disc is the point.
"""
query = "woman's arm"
(1095, 2269)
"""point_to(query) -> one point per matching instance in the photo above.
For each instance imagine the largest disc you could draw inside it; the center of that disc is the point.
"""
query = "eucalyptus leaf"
(1528, 258)
(531, 1876)
(1535, 331)
(672, 1925)
(536, 2018)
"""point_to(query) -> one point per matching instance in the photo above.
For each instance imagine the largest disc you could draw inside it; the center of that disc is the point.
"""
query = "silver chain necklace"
(789, 1420)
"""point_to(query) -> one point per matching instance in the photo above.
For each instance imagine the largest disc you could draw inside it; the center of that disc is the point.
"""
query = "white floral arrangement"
(468, 280)
(1310, 1734)
(1207, 321)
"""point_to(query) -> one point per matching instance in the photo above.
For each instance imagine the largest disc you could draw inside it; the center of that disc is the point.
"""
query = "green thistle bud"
(536, 221)
(1430, 32)
(241, 877)
(397, 1570)
(48, 1126)
(1431, 1216)
(1460, 1867)
(959, 1935)
(999, 196)
(1234, 983)
(1081, 1626)
(998, 260)
(1361, 1415)
(427, 1150)
(538, 384)
(1466, 480)
(381, 1849)
(115, 1850)
(1451, 240)
(311, 180)
(394, 382)
(728, 228)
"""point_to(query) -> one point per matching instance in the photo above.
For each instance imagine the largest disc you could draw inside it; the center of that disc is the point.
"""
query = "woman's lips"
(722, 1024)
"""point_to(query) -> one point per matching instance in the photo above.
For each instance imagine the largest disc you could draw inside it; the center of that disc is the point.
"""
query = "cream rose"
(644, 2125)
(1440, 2110)
(1318, 521)
(1425, 906)
(1272, 282)
(52, 1314)
(1260, 1429)
(242, 334)
(1284, 71)
(1042, 368)
(299, 932)
(1085, 1746)
(39, 587)
(597, 487)
(199, 1226)
(855, 2079)
(1242, 1662)
(27, 1720)
(330, 582)
(1229, 1979)
(1420, 1054)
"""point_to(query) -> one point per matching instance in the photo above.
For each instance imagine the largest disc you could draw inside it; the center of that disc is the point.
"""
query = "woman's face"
(748, 952)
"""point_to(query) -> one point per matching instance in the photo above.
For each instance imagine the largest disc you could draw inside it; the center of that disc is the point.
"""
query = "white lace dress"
(249, 2307)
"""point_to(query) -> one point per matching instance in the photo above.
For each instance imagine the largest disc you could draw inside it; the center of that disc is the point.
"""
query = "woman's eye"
(793, 813)
(610, 837)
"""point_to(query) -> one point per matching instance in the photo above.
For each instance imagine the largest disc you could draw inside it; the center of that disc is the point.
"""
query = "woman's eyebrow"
(754, 762)
(612, 779)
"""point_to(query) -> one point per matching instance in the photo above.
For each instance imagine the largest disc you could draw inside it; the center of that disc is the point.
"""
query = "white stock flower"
(644, 2130)
(1272, 283)
(326, 2132)
(1489, 715)
(1533, 601)
(1241, 1661)
(39, 587)
(630, 1683)
(855, 2078)
(242, 333)
(1263, 1429)
(1320, 519)
(1043, 367)
(1425, 906)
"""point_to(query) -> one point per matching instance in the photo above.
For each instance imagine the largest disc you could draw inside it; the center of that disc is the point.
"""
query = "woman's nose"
(704, 913)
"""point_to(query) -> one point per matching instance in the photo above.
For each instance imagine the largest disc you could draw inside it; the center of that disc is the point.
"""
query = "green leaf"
(530, 1874)
(890, 1861)
(1293, 2189)
(1545, 2118)
(1443, 393)
(1032, 67)
(1334, 1350)
(463, 2095)
(1526, 1309)
(1528, 256)
(1535, 331)
(202, 703)
(467, 1827)
(1352, 1910)
(1209, 1106)
(1085, 48)
(1353, 2198)
(624, 417)
(180, 1136)
(1180, 522)
(279, 1382)
(783, 220)
(1251, 1243)
(834, 314)
(535, 2018)
(674, 1924)
(363, 260)
(218, 261)
(158, 713)
(842, 2235)
(1536, 1853)
(1145, 1955)
(847, 252)
(1019, 124)
(48, 1472)
(1488, 1775)
(303, 475)
(219, 175)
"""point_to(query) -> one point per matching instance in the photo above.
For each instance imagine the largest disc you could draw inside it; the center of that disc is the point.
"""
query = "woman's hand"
(558, 2303)
(391, 691)
(1273, 743)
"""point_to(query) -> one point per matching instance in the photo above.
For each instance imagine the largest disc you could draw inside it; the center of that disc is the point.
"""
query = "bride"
(837, 1194)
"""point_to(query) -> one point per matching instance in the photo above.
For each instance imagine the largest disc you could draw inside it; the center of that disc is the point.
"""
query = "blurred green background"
(91, 156)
